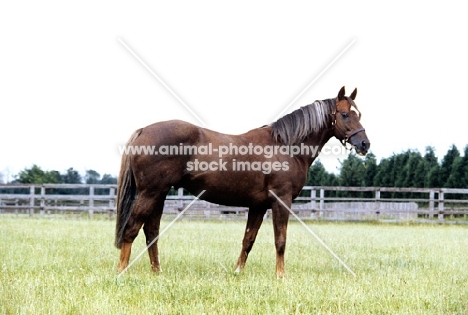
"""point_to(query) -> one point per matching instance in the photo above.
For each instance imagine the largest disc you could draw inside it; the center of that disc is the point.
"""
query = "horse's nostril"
(364, 144)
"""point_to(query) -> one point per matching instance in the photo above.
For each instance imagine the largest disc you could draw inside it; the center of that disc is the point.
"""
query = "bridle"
(347, 134)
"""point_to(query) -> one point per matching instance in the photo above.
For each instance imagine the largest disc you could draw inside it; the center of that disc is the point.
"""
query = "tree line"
(36, 175)
(407, 169)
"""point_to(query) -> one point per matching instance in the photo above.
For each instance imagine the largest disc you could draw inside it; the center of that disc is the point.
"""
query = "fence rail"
(314, 202)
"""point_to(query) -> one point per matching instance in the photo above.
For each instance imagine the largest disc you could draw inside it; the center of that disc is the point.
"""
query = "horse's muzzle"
(362, 147)
(360, 142)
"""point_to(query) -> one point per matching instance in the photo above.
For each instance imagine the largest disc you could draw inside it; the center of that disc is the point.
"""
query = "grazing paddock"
(69, 267)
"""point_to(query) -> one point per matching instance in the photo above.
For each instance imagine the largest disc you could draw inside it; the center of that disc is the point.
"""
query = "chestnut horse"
(238, 170)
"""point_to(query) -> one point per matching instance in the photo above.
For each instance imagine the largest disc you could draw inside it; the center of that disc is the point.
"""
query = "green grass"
(68, 267)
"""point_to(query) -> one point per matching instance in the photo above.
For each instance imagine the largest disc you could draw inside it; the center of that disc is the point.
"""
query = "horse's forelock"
(353, 104)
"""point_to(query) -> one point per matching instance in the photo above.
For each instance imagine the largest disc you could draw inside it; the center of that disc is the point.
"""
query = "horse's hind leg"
(141, 212)
(125, 252)
(151, 229)
(131, 231)
(254, 221)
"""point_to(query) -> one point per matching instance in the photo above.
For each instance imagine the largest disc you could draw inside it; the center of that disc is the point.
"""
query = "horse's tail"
(126, 192)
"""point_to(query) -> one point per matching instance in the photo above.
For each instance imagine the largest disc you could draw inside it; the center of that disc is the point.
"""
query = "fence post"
(111, 202)
(31, 200)
(91, 202)
(431, 204)
(377, 204)
(180, 194)
(42, 201)
(313, 195)
(322, 201)
(441, 206)
(208, 212)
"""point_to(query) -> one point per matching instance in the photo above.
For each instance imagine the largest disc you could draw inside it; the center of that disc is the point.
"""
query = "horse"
(264, 168)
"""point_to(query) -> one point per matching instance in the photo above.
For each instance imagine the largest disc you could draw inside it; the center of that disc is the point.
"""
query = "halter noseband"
(348, 134)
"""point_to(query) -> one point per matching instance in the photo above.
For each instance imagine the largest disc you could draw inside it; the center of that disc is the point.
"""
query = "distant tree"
(458, 175)
(352, 173)
(317, 175)
(432, 180)
(401, 160)
(370, 172)
(431, 168)
(1, 178)
(55, 177)
(464, 169)
(419, 174)
(384, 175)
(370, 165)
(447, 164)
(455, 178)
(332, 180)
(411, 178)
(108, 180)
(35, 175)
(71, 177)
(92, 177)
(430, 156)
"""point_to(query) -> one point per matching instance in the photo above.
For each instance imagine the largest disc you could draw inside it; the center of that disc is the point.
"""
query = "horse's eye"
(344, 115)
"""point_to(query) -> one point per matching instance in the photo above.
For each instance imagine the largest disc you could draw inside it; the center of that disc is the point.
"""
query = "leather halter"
(347, 134)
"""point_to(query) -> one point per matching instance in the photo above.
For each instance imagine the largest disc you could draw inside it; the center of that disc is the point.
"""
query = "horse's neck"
(315, 144)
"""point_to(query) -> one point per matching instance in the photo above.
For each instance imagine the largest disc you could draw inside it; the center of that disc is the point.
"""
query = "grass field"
(68, 267)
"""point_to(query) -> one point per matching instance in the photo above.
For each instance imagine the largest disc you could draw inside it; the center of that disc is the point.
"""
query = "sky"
(76, 79)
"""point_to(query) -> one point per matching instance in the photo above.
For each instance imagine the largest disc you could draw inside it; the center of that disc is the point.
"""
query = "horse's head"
(347, 123)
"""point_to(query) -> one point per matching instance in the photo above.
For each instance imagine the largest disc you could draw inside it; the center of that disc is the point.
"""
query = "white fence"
(319, 203)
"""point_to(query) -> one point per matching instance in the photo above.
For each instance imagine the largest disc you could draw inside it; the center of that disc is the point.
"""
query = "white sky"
(71, 93)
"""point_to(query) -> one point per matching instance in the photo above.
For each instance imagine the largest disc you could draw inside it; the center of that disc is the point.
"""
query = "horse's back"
(174, 132)
(170, 132)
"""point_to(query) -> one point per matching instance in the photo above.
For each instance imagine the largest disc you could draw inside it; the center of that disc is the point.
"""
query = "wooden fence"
(318, 203)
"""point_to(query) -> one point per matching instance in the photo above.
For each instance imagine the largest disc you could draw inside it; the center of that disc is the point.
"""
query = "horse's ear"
(353, 95)
(341, 94)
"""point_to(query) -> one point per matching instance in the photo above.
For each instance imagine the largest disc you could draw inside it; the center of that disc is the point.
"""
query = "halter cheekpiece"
(347, 134)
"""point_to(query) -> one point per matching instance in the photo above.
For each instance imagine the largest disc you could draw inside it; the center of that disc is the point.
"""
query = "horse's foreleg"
(280, 225)
(254, 221)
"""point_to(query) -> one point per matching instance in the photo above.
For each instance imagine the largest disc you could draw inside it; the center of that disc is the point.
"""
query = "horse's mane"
(308, 120)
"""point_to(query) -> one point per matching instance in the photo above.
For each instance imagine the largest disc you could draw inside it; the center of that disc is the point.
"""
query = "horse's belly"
(243, 190)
